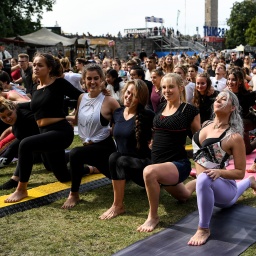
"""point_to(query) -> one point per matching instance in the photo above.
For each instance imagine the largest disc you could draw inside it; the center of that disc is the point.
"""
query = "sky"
(99, 17)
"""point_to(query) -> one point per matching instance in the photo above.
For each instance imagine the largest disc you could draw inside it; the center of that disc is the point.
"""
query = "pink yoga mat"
(249, 161)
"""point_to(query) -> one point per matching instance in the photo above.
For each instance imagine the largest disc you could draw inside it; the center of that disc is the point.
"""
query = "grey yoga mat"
(233, 230)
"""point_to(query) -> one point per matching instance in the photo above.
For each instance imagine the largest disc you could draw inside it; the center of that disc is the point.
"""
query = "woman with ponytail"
(56, 134)
(132, 132)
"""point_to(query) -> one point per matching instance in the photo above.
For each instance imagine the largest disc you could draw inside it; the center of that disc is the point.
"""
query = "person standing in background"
(26, 73)
(5, 56)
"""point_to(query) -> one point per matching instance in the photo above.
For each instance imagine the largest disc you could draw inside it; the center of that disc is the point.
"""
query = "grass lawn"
(49, 230)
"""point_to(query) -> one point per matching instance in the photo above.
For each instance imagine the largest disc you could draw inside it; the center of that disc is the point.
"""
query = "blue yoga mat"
(233, 230)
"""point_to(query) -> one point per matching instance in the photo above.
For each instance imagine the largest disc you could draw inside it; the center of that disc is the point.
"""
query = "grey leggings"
(222, 193)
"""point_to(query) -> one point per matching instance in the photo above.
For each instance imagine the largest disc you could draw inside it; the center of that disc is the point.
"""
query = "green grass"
(49, 230)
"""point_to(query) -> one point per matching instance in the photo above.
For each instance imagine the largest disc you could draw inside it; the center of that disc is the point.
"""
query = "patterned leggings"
(222, 193)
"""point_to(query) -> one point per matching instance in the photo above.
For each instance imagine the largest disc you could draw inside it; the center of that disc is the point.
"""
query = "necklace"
(217, 126)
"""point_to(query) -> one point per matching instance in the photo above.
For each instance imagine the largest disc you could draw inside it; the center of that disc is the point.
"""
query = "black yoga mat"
(233, 230)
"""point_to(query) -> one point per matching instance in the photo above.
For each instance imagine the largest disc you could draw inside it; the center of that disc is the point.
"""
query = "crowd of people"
(134, 116)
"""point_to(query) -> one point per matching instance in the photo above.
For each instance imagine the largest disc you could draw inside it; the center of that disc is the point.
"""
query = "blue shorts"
(184, 169)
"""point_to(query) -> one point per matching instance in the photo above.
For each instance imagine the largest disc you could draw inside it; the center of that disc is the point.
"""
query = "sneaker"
(9, 184)
(3, 162)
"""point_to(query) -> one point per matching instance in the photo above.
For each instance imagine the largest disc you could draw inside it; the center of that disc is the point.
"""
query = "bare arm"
(237, 148)
(5, 133)
(195, 125)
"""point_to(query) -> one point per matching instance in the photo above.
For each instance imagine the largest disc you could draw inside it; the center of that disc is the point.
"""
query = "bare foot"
(112, 212)
(149, 225)
(93, 170)
(16, 196)
(252, 169)
(72, 200)
(253, 184)
(200, 237)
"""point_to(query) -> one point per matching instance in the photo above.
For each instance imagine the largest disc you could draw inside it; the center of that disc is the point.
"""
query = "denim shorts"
(184, 169)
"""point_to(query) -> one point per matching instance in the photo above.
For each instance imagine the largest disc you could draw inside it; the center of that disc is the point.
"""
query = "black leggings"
(51, 143)
(127, 168)
(96, 154)
(248, 126)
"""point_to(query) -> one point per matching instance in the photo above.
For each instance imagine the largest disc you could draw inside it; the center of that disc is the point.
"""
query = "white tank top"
(89, 125)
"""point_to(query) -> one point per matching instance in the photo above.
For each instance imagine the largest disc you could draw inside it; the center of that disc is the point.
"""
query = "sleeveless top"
(210, 154)
(90, 128)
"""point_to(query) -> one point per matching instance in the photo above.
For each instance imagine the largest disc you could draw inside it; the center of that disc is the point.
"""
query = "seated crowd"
(137, 115)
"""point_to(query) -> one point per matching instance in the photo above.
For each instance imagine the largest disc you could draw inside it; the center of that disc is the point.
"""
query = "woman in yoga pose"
(56, 134)
(212, 146)
(171, 166)
(93, 117)
(132, 133)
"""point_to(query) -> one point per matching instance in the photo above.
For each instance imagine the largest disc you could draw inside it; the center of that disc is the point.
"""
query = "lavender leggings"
(221, 193)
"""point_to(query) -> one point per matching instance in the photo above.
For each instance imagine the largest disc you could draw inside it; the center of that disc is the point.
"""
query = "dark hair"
(1, 86)
(152, 57)
(51, 62)
(158, 71)
(81, 61)
(140, 72)
(93, 67)
(239, 74)
(113, 73)
(197, 95)
(4, 77)
(195, 67)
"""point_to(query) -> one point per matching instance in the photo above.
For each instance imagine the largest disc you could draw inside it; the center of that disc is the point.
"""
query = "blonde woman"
(171, 165)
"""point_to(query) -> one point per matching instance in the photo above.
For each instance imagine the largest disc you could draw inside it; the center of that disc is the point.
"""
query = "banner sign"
(137, 30)
(214, 31)
(154, 19)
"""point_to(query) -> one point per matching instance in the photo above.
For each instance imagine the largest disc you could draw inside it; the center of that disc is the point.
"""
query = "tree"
(240, 17)
(16, 16)
(250, 33)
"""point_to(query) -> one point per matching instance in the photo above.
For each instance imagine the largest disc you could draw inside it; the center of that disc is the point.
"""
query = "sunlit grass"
(49, 230)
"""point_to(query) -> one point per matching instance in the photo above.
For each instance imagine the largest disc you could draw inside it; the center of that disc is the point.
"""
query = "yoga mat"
(233, 230)
(249, 161)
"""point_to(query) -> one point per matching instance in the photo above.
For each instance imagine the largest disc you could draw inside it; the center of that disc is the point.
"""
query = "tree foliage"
(19, 17)
(240, 18)
(250, 33)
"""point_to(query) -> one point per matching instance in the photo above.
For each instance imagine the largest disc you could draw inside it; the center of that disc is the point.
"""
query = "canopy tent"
(240, 48)
(45, 37)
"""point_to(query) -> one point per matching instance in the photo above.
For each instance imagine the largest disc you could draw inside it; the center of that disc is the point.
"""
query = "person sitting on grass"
(171, 166)
(132, 132)
(22, 124)
(212, 145)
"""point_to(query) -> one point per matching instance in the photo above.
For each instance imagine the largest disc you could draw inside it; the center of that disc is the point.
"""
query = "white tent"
(45, 37)
(240, 48)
